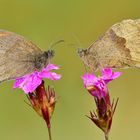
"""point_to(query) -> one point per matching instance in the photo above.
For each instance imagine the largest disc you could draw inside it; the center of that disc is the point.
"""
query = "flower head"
(41, 100)
(97, 87)
(31, 81)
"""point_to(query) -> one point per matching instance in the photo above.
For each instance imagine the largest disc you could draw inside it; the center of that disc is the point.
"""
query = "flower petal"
(107, 72)
(31, 83)
(89, 79)
(29, 88)
(51, 67)
(50, 75)
(109, 75)
(18, 82)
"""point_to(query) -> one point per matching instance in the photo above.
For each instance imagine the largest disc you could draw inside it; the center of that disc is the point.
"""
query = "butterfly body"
(119, 47)
(42, 60)
(19, 56)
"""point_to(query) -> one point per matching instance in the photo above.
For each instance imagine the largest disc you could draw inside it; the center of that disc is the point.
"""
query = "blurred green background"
(44, 22)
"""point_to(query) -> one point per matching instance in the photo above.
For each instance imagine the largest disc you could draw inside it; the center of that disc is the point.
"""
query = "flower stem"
(49, 131)
(106, 136)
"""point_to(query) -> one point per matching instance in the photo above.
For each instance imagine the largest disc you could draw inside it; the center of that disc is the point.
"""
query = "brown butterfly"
(118, 47)
(19, 56)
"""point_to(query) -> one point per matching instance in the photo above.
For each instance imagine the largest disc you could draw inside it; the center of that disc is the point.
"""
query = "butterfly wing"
(129, 30)
(16, 55)
(119, 47)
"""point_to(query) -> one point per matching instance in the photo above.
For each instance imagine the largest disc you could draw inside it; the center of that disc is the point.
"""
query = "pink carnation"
(98, 85)
(31, 81)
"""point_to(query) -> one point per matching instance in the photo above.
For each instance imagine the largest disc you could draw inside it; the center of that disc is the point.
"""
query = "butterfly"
(19, 56)
(118, 47)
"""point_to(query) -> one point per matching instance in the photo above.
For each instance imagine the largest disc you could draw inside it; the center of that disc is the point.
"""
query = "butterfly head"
(42, 60)
(82, 52)
(49, 54)
(89, 59)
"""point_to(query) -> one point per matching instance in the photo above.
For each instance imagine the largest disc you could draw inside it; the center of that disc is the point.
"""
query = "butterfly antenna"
(56, 43)
(77, 44)
(77, 40)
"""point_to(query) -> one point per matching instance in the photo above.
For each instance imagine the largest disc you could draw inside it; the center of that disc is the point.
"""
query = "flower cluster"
(97, 87)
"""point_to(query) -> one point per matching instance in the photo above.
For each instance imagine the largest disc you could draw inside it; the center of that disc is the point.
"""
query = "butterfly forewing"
(118, 47)
(16, 55)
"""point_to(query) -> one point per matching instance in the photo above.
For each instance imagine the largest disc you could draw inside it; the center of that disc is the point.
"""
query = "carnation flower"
(41, 100)
(31, 81)
(97, 87)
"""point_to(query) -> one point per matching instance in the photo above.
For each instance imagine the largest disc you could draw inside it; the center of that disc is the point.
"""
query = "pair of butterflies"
(119, 47)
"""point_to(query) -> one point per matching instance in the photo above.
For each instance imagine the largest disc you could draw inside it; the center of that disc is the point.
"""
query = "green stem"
(106, 136)
(49, 131)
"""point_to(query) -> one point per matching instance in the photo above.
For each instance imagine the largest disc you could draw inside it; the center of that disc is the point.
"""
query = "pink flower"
(98, 85)
(31, 81)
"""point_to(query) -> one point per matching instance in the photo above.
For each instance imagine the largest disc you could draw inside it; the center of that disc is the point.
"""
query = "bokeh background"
(80, 22)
